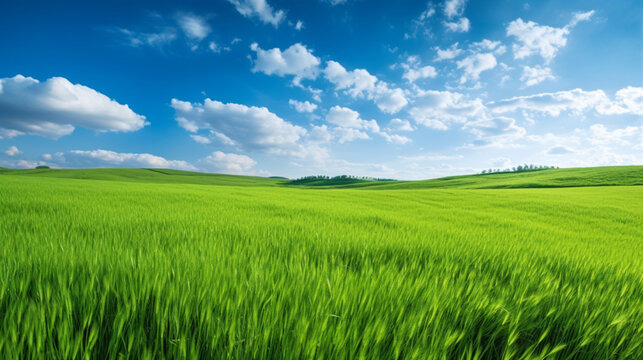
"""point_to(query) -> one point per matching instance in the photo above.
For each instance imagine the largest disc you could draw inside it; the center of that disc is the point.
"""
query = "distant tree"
(42, 167)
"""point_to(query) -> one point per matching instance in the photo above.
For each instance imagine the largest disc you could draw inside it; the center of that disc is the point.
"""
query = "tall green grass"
(110, 269)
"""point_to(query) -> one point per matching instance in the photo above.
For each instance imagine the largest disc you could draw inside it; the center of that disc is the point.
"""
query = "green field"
(153, 264)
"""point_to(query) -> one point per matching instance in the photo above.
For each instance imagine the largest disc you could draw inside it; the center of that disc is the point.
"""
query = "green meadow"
(153, 264)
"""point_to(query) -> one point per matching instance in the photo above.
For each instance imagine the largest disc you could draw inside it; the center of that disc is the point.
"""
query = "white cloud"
(101, 158)
(249, 126)
(448, 54)
(260, 9)
(345, 117)
(336, 2)
(154, 39)
(533, 38)
(475, 64)
(194, 27)
(413, 71)
(395, 138)
(214, 47)
(578, 17)
(535, 75)
(345, 134)
(560, 150)
(454, 8)
(350, 126)
(299, 25)
(201, 139)
(628, 100)
(223, 138)
(437, 109)
(54, 107)
(426, 14)
(12, 151)
(360, 83)
(495, 132)
(488, 45)
(319, 134)
(420, 23)
(355, 83)
(598, 134)
(576, 101)
(230, 163)
(296, 60)
(462, 25)
(302, 106)
(399, 125)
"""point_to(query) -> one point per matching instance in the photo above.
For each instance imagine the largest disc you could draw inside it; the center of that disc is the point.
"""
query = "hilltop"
(160, 176)
(550, 178)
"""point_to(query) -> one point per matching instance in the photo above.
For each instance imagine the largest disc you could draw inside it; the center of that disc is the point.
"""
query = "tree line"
(335, 180)
(519, 168)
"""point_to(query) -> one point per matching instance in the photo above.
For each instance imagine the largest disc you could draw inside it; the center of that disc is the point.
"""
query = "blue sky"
(396, 89)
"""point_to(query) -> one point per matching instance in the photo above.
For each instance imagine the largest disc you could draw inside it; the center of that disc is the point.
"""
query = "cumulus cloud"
(319, 134)
(259, 9)
(475, 64)
(302, 106)
(12, 151)
(495, 132)
(395, 138)
(599, 134)
(296, 60)
(350, 126)
(535, 75)
(399, 125)
(532, 38)
(628, 100)
(349, 118)
(576, 101)
(413, 71)
(438, 109)
(360, 83)
(462, 25)
(488, 45)
(249, 126)
(451, 53)
(55, 107)
(106, 158)
(454, 8)
(345, 134)
(228, 162)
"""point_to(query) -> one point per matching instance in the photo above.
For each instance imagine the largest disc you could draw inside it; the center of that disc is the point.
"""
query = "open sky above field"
(395, 89)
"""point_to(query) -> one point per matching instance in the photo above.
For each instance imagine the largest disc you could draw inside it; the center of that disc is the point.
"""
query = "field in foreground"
(96, 268)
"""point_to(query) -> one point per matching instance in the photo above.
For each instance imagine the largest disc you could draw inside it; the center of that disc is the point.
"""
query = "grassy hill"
(573, 177)
(551, 178)
(159, 176)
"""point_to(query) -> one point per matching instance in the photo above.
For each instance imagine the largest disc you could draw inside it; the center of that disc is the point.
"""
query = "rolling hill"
(551, 178)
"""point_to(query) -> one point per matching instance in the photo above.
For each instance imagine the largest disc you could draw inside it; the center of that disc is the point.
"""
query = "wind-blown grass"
(109, 269)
